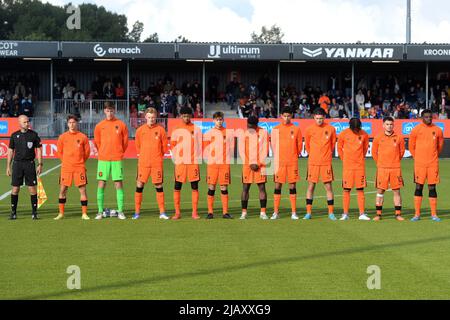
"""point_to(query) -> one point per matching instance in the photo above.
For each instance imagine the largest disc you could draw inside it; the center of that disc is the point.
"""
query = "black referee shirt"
(23, 144)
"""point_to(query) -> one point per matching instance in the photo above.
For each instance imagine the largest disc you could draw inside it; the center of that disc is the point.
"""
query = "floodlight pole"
(128, 91)
(52, 106)
(278, 88)
(353, 89)
(408, 21)
(427, 85)
(203, 89)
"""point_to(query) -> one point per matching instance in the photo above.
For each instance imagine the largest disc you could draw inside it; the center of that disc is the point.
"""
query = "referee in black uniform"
(24, 147)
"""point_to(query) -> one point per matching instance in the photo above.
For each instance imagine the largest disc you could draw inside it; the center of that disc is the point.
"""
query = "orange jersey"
(352, 148)
(186, 144)
(319, 143)
(151, 144)
(287, 143)
(73, 150)
(425, 144)
(388, 151)
(219, 146)
(254, 146)
(111, 139)
(324, 102)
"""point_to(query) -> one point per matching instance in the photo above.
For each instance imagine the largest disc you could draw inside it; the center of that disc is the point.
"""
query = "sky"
(309, 21)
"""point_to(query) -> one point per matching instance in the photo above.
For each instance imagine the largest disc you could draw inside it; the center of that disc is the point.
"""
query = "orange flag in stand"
(42, 196)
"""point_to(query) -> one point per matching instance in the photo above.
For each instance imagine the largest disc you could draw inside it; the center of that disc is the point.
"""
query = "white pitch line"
(5, 195)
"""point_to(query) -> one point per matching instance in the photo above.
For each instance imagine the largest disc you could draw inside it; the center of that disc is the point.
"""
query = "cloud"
(300, 20)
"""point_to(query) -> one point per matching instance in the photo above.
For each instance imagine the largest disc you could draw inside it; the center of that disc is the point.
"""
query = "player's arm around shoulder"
(375, 147)
(124, 136)
(164, 141)
(441, 141)
(401, 145)
(87, 148)
(60, 146)
(341, 142)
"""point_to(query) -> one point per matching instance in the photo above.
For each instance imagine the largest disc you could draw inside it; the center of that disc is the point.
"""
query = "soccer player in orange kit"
(287, 144)
(186, 143)
(219, 150)
(320, 140)
(111, 141)
(73, 150)
(254, 149)
(151, 145)
(426, 142)
(388, 149)
(353, 144)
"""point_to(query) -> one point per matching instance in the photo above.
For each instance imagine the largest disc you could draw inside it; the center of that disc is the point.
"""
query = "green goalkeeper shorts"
(105, 169)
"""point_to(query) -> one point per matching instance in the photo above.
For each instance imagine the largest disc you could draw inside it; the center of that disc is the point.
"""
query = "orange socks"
(346, 201)
(62, 204)
(309, 203)
(160, 200)
(211, 194)
(330, 206)
(361, 201)
(224, 198)
(293, 199)
(84, 204)
(194, 202)
(433, 206)
(417, 205)
(210, 204)
(176, 201)
(276, 201)
(138, 200)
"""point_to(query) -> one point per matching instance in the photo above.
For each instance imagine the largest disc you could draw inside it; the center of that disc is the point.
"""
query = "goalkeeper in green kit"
(111, 141)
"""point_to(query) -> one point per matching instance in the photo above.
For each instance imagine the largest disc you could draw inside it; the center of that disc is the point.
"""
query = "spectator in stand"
(332, 85)
(360, 99)
(134, 116)
(197, 89)
(232, 92)
(348, 85)
(27, 106)
(108, 90)
(20, 90)
(134, 90)
(15, 109)
(68, 91)
(163, 107)
(120, 91)
(142, 106)
(198, 113)
(213, 85)
(97, 88)
(4, 108)
(79, 97)
(334, 112)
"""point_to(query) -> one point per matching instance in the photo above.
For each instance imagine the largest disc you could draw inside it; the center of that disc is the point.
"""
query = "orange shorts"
(325, 173)
(287, 174)
(354, 179)
(250, 176)
(389, 178)
(187, 172)
(426, 174)
(77, 176)
(218, 174)
(155, 172)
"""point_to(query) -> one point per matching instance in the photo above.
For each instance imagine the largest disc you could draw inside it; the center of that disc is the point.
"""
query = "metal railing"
(50, 128)
(88, 108)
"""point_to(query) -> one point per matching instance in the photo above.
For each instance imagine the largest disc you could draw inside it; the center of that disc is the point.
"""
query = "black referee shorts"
(23, 170)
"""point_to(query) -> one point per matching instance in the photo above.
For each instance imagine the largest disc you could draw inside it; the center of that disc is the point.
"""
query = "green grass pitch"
(223, 259)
